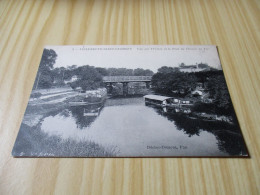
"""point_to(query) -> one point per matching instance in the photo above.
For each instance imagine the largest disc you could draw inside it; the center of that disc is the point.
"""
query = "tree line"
(171, 82)
(88, 77)
(167, 80)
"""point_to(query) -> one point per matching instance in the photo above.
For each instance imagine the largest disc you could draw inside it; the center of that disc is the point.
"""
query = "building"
(73, 78)
(193, 68)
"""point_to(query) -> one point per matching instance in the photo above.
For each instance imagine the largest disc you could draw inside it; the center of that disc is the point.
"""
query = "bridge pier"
(109, 88)
(148, 84)
(125, 88)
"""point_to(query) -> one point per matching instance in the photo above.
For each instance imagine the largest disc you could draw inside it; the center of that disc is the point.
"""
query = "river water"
(133, 129)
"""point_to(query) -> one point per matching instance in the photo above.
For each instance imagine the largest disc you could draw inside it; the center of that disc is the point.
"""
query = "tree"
(148, 72)
(44, 77)
(142, 72)
(89, 78)
(166, 70)
(45, 81)
(182, 64)
(159, 83)
(166, 82)
(58, 74)
(203, 65)
(102, 71)
(219, 91)
(49, 57)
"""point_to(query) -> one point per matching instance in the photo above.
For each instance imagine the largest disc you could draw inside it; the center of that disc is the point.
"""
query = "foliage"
(36, 95)
(34, 142)
(219, 91)
(44, 78)
(120, 72)
(167, 81)
(201, 65)
(142, 72)
(58, 75)
(167, 70)
(49, 57)
(102, 71)
(89, 78)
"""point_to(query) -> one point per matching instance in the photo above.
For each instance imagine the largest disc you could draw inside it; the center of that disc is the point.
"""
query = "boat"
(78, 103)
(169, 104)
(157, 100)
(164, 101)
(91, 113)
(83, 103)
(186, 111)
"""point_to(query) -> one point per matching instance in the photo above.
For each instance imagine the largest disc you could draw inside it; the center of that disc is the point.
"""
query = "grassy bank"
(32, 142)
(34, 113)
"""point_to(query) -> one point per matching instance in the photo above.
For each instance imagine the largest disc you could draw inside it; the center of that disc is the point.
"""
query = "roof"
(188, 66)
(157, 97)
(197, 92)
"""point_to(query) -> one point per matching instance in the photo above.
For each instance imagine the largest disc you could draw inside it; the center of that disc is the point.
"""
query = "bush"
(36, 95)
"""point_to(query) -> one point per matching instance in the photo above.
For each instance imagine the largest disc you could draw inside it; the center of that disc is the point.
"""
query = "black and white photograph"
(130, 101)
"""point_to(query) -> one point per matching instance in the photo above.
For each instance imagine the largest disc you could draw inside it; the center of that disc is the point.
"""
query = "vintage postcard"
(130, 101)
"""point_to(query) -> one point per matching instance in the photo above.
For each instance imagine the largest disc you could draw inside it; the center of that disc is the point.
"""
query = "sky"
(135, 56)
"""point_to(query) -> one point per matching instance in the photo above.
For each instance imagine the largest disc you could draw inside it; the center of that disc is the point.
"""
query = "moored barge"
(169, 103)
(157, 100)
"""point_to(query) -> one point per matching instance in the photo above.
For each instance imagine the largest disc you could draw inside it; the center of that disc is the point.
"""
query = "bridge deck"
(118, 79)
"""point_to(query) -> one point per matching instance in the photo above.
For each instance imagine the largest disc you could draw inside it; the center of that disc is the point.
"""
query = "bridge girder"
(125, 80)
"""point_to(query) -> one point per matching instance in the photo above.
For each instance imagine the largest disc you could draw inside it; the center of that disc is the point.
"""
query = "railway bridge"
(109, 80)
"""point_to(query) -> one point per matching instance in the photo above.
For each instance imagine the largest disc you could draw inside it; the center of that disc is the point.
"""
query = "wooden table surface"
(26, 26)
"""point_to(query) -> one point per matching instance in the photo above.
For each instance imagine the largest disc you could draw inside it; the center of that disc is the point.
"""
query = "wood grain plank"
(26, 26)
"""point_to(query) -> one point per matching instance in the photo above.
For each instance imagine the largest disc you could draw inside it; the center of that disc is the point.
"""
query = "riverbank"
(33, 142)
(126, 117)
(204, 116)
(212, 117)
(54, 100)
(35, 113)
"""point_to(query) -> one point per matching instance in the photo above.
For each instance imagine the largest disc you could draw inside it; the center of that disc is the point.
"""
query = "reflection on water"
(137, 130)
(85, 115)
(228, 135)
